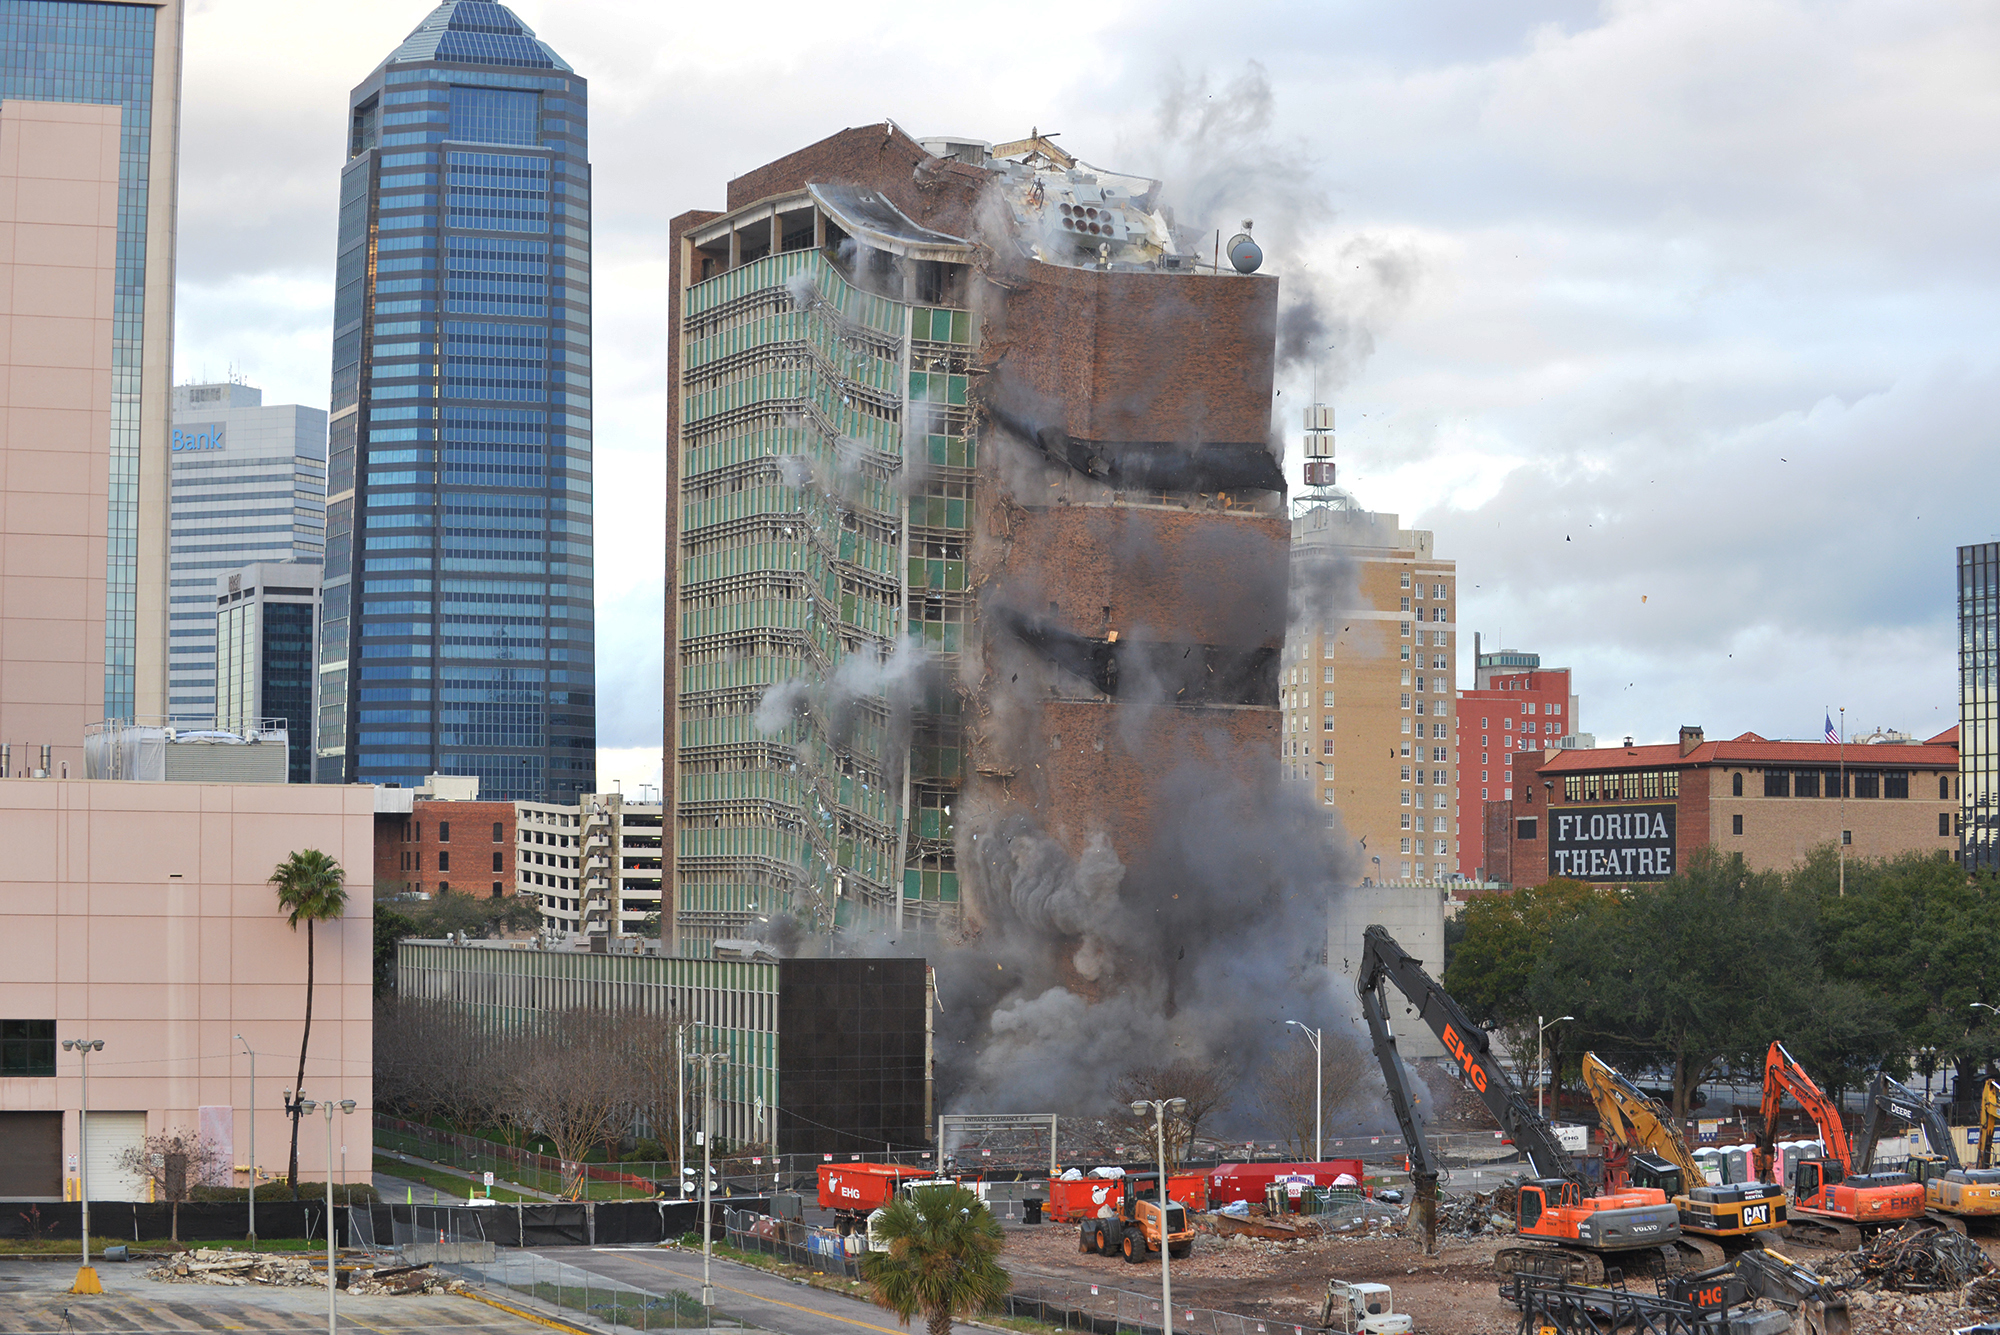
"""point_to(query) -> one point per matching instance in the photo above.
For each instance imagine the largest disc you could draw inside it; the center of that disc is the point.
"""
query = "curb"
(553, 1323)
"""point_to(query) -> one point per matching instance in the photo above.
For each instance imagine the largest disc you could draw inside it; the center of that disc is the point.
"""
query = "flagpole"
(1843, 801)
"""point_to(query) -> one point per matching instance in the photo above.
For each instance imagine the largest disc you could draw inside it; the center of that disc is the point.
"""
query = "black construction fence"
(553, 1224)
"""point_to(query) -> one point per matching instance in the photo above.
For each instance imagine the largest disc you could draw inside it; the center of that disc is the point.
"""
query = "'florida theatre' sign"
(1613, 843)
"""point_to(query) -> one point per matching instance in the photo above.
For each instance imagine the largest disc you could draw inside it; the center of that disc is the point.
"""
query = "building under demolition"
(979, 536)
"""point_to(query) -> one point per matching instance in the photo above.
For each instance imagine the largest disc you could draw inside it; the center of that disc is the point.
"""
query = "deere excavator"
(1952, 1192)
(1642, 1148)
(1563, 1232)
(1829, 1204)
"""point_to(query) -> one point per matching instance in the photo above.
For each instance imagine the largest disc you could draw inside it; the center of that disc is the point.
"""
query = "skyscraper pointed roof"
(476, 32)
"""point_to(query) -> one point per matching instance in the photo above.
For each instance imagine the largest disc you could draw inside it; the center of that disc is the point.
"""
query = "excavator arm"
(1630, 1116)
(1383, 961)
(1989, 1117)
(1895, 1099)
(1783, 1075)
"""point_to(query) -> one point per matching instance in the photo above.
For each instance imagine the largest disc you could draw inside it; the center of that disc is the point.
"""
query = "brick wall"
(940, 194)
(1778, 832)
(448, 844)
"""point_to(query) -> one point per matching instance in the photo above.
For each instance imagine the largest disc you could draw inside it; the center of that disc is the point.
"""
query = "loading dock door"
(31, 1156)
(110, 1134)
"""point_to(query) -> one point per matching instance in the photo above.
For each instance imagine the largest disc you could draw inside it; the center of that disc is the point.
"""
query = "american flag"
(1832, 737)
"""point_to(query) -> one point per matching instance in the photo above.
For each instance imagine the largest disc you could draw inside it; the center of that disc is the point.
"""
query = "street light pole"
(86, 1277)
(308, 1106)
(253, 1141)
(709, 1061)
(1319, 1089)
(1160, 1109)
(1541, 1068)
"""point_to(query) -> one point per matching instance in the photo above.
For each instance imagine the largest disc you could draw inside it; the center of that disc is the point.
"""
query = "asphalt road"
(755, 1296)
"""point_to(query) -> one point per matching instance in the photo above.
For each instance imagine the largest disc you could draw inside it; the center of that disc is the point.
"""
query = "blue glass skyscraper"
(457, 634)
(127, 54)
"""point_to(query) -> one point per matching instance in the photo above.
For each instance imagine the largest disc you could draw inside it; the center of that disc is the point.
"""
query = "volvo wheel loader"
(1643, 1148)
(1563, 1230)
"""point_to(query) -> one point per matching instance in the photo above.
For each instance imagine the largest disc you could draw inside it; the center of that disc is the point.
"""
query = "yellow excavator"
(1989, 1117)
(1643, 1149)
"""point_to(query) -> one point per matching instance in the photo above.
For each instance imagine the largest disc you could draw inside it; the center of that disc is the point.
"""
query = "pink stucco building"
(135, 913)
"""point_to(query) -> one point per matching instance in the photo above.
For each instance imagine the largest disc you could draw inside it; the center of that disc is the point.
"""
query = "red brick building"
(443, 845)
(1627, 814)
(1517, 714)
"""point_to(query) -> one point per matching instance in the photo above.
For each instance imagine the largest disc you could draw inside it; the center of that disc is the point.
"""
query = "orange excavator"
(1829, 1204)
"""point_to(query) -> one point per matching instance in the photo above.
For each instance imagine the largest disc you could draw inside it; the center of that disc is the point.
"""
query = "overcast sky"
(1674, 322)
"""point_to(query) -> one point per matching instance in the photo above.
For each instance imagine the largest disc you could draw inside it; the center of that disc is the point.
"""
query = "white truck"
(1361, 1309)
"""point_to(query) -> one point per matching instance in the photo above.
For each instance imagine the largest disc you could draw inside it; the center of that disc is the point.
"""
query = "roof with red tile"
(1754, 752)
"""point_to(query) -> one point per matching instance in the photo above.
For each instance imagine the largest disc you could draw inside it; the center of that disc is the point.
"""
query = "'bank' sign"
(1612, 843)
(207, 437)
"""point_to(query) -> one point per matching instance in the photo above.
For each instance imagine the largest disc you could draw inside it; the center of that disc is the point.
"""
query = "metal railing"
(609, 1301)
(1103, 1310)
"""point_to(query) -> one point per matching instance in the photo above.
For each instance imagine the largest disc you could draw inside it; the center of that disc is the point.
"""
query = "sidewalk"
(471, 1178)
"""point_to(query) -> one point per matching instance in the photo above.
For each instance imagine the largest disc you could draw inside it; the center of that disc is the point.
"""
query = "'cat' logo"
(1756, 1214)
(1456, 1047)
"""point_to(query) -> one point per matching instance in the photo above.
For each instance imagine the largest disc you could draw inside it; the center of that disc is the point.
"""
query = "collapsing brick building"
(980, 401)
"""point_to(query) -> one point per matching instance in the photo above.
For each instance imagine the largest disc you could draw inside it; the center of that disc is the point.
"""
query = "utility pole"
(1161, 1107)
(86, 1276)
(1541, 1069)
(253, 1142)
(309, 1106)
(1843, 801)
(709, 1061)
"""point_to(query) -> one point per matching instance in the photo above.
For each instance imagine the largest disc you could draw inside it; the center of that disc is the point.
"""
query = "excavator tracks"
(1832, 1234)
(1698, 1253)
(1577, 1266)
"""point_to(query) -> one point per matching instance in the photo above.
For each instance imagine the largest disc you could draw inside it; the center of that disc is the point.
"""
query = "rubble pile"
(1480, 1212)
(220, 1265)
(404, 1279)
(1983, 1293)
(1920, 1258)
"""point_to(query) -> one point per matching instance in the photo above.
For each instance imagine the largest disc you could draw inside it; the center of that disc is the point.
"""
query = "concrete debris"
(1919, 1258)
(1480, 1212)
(220, 1265)
(404, 1279)
(1983, 1294)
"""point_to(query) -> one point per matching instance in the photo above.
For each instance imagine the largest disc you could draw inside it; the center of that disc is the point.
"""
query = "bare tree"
(658, 1047)
(176, 1162)
(1285, 1090)
(572, 1082)
(1206, 1085)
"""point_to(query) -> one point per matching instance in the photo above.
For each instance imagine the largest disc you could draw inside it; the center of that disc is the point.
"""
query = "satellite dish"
(1243, 252)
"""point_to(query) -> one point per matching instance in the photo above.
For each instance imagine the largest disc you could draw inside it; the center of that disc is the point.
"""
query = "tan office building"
(1368, 691)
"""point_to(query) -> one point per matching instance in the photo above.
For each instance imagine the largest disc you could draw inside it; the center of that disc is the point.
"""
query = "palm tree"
(309, 884)
(942, 1245)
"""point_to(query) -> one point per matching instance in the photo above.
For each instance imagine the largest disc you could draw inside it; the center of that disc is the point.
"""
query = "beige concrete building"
(58, 252)
(1368, 693)
(139, 914)
(595, 866)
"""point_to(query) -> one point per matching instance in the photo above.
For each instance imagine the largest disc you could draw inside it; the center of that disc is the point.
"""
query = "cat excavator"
(1642, 1148)
(1952, 1192)
(1829, 1204)
(1563, 1232)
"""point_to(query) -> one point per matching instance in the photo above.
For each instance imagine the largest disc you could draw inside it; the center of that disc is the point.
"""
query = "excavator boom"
(1783, 1075)
(1637, 1119)
(1989, 1117)
(1895, 1099)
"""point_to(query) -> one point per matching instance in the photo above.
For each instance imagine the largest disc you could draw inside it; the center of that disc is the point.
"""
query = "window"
(1736, 825)
(1406, 579)
(1326, 700)
(1896, 783)
(444, 831)
(1736, 785)
(444, 887)
(1944, 788)
(1327, 651)
(27, 1047)
(1507, 723)
(1406, 630)
(496, 832)
(1326, 723)
(1406, 820)
(1327, 797)
(1421, 684)
(1867, 783)
(1328, 677)
(444, 859)
(1524, 827)
(1438, 591)
(496, 890)
(1326, 746)
(1406, 724)
(1440, 800)
(1406, 797)
(1847, 836)
(1944, 822)
(496, 862)
(1406, 774)
(1777, 783)
(1406, 605)
(1405, 846)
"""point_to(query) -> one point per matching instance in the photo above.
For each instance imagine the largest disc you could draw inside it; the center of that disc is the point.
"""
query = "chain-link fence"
(609, 1301)
(820, 1249)
(1103, 1310)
